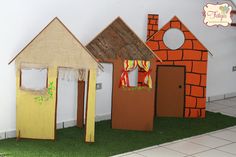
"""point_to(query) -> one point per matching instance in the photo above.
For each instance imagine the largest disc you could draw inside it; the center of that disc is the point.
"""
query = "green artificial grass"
(70, 141)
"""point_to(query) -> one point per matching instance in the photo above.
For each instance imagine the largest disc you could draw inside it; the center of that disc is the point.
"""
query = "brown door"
(80, 107)
(170, 91)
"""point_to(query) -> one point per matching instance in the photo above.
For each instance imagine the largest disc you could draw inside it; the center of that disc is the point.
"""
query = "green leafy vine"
(50, 90)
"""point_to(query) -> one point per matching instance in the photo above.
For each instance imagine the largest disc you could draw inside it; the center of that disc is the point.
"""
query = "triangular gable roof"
(118, 40)
(173, 23)
(57, 19)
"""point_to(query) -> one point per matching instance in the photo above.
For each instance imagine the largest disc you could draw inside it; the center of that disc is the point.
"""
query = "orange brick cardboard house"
(181, 77)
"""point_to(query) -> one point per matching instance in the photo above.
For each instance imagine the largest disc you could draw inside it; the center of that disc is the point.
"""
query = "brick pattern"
(191, 54)
(152, 27)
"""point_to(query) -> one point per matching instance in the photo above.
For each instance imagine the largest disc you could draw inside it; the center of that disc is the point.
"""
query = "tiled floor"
(221, 143)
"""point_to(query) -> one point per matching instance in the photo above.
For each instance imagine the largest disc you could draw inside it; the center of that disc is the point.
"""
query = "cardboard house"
(54, 52)
(132, 101)
(181, 77)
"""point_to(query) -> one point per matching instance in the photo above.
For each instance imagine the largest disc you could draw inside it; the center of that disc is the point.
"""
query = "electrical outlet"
(98, 86)
(234, 68)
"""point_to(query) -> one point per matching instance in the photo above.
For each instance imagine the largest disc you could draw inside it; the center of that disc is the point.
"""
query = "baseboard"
(102, 117)
(60, 125)
(8, 134)
(11, 134)
(66, 124)
(71, 123)
(221, 97)
(2, 135)
(216, 97)
(230, 95)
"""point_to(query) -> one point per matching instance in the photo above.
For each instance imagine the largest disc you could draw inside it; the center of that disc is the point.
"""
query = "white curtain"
(70, 74)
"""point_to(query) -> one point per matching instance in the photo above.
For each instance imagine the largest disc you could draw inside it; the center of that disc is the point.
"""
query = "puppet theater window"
(136, 73)
(34, 79)
(133, 77)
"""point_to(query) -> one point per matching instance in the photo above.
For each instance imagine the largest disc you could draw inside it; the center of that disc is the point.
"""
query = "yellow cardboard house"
(53, 48)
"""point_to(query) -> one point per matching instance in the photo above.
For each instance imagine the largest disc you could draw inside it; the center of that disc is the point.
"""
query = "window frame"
(35, 68)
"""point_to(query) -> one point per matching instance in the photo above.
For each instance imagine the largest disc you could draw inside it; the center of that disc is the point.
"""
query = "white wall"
(234, 1)
(67, 100)
(104, 95)
(68, 91)
(22, 20)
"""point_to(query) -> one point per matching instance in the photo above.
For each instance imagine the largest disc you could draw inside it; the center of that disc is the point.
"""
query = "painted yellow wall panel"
(54, 47)
(36, 119)
(90, 119)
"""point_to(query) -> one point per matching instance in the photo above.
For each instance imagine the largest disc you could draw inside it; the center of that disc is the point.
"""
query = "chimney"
(152, 26)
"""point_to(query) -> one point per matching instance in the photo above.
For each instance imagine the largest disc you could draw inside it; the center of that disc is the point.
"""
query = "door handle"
(180, 86)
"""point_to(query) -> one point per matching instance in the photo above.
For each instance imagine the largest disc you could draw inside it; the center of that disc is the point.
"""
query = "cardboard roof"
(56, 45)
(118, 40)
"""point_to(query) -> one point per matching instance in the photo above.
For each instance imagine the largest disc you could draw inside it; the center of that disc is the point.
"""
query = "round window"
(173, 38)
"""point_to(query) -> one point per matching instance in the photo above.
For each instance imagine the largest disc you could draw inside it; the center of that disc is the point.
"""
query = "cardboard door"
(80, 107)
(170, 91)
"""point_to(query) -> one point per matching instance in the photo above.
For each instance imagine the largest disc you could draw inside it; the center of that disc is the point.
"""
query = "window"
(136, 73)
(173, 38)
(133, 77)
(34, 79)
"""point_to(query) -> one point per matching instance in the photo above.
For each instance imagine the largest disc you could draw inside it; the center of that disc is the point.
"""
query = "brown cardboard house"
(132, 106)
(181, 77)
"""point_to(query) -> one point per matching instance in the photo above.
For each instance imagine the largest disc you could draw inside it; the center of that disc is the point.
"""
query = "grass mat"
(70, 141)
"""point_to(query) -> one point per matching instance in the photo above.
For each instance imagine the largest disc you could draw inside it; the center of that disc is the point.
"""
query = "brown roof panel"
(118, 40)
